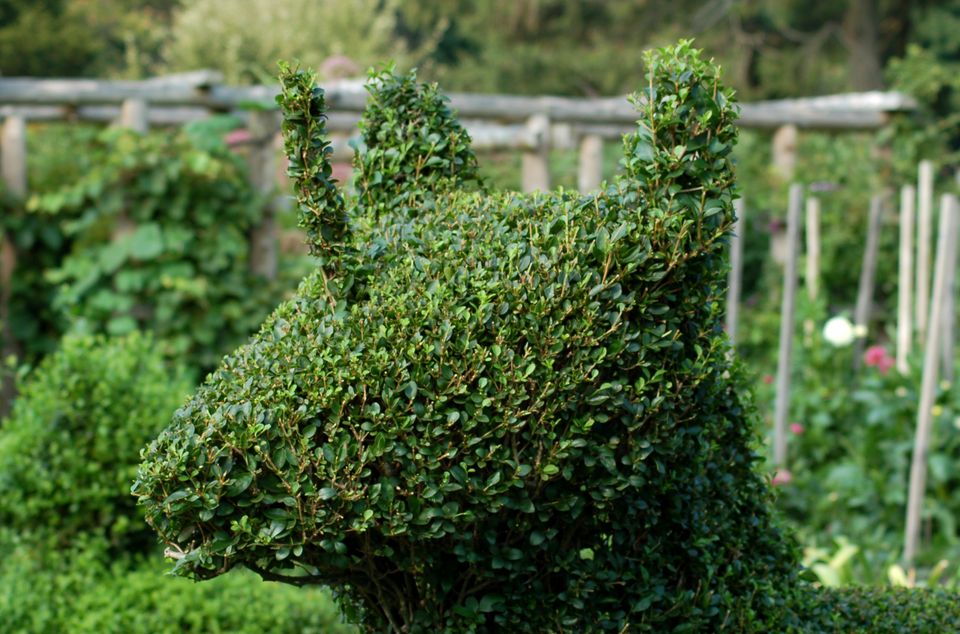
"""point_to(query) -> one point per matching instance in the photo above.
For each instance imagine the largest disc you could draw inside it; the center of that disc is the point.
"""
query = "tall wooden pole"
(811, 276)
(947, 316)
(924, 237)
(735, 275)
(905, 279)
(928, 386)
(868, 272)
(787, 320)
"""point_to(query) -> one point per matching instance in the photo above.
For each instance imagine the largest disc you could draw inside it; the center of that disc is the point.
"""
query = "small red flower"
(768, 378)
(781, 477)
(877, 357)
(796, 429)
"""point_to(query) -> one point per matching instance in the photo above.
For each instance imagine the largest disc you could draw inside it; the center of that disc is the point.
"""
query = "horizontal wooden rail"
(203, 90)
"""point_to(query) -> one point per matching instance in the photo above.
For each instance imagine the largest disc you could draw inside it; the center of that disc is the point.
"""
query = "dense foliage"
(405, 119)
(880, 611)
(75, 590)
(70, 446)
(158, 234)
(506, 412)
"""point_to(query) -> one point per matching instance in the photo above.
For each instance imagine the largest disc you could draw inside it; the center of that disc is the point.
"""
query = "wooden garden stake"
(905, 279)
(924, 237)
(787, 319)
(811, 275)
(868, 272)
(948, 310)
(918, 466)
(735, 275)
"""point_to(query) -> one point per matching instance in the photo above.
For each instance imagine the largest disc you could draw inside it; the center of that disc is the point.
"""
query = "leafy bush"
(70, 447)
(881, 611)
(158, 229)
(76, 592)
(507, 413)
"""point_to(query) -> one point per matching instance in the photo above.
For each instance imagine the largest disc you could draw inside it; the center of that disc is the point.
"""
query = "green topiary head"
(527, 422)
(71, 444)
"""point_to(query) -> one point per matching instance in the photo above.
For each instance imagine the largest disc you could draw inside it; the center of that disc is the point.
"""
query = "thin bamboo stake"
(868, 272)
(948, 312)
(905, 278)
(811, 275)
(928, 386)
(735, 275)
(924, 238)
(787, 319)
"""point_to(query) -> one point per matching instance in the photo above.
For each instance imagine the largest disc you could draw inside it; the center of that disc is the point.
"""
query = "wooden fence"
(533, 126)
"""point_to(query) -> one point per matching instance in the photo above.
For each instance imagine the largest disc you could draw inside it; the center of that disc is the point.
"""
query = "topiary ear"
(680, 153)
(304, 130)
(413, 146)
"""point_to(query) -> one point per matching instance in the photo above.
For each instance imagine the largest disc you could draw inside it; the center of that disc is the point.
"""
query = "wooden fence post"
(536, 161)
(262, 162)
(134, 115)
(735, 275)
(905, 279)
(13, 166)
(590, 167)
(918, 465)
(785, 150)
(868, 272)
(924, 237)
(787, 319)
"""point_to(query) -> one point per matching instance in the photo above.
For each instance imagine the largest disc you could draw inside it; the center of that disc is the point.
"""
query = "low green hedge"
(881, 611)
(76, 593)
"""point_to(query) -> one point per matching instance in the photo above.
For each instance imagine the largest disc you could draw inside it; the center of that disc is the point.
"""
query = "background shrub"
(528, 420)
(70, 447)
(158, 240)
(75, 591)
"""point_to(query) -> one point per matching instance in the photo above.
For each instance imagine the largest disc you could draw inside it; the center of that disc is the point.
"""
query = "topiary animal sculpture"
(489, 411)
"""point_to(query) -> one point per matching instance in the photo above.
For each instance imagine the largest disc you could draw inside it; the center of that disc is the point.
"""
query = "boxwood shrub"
(75, 591)
(862, 610)
(489, 411)
(71, 445)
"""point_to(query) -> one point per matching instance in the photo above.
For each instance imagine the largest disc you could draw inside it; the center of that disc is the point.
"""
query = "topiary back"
(527, 422)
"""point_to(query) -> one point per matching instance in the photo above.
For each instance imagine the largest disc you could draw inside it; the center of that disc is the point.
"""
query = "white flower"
(839, 332)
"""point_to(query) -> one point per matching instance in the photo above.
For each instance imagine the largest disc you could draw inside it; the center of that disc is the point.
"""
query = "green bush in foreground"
(70, 447)
(881, 611)
(75, 592)
(495, 412)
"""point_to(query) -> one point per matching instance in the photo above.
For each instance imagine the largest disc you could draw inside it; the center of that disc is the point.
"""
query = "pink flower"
(796, 429)
(768, 378)
(238, 137)
(877, 357)
(781, 477)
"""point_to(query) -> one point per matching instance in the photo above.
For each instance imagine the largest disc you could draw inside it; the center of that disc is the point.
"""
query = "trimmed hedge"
(494, 412)
(880, 611)
(75, 592)
(70, 447)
